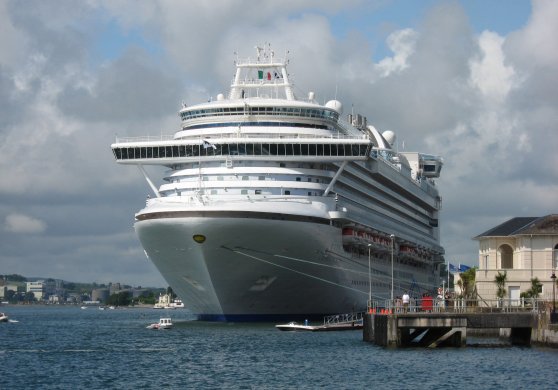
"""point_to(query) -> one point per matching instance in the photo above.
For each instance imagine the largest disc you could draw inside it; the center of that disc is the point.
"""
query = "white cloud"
(402, 44)
(23, 224)
(489, 74)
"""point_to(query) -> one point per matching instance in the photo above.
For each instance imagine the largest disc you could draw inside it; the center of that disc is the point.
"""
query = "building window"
(555, 256)
(506, 257)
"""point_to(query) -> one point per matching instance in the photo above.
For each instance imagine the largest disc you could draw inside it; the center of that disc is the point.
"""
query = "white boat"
(177, 304)
(3, 317)
(164, 323)
(275, 207)
(296, 327)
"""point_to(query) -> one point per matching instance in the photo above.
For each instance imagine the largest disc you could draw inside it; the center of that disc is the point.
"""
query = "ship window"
(340, 150)
(244, 192)
(213, 192)
(287, 192)
(250, 149)
(312, 150)
(258, 192)
(320, 150)
(219, 177)
(296, 149)
(304, 150)
(281, 149)
(298, 179)
(282, 165)
(273, 149)
(289, 149)
(265, 150)
(261, 177)
(309, 193)
(245, 178)
(309, 179)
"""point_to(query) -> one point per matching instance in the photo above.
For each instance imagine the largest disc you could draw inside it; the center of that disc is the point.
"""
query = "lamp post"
(553, 316)
(369, 279)
(392, 248)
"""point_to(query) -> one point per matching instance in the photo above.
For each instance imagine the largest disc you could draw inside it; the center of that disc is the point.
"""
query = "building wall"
(37, 288)
(533, 256)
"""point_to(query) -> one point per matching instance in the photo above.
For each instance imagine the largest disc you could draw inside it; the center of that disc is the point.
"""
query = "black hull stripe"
(232, 214)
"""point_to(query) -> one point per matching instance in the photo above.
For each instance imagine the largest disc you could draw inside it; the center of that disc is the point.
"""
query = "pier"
(447, 326)
(442, 329)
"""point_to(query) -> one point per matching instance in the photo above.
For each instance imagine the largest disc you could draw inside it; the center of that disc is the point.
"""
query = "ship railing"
(429, 304)
(229, 136)
(258, 62)
(348, 318)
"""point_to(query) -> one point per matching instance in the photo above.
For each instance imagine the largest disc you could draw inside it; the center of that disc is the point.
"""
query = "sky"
(475, 82)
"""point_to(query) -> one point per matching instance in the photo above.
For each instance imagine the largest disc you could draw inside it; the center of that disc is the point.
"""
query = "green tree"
(29, 297)
(171, 293)
(123, 298)
(535, 290)
(467, 283)
(500, 280)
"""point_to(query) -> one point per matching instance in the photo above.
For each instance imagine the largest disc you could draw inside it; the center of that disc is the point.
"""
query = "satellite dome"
(220, 97)
(389, 136)
(335, 105)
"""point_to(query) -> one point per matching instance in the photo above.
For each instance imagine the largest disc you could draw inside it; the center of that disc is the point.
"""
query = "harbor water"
(70, 348)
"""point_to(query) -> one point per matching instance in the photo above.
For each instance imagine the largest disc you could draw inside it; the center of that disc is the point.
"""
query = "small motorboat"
(164, 323)
(3, 317)
(293, 327)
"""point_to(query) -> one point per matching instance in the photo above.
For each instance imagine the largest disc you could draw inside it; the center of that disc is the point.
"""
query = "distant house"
(523, 247)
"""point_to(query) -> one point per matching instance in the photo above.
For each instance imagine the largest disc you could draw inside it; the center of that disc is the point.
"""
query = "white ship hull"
(249, 267)
(257, 269)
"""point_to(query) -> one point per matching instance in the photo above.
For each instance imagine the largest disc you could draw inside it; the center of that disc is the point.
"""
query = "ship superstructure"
(274, 206)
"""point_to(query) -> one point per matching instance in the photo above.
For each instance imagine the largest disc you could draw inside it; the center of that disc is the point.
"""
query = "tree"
(120, 299)
(467, 283)
(171, 293)
(500, 280)
(535, 290)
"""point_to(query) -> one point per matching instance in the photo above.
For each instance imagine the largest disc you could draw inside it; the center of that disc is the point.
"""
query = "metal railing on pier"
(457, 305)
(348, 318)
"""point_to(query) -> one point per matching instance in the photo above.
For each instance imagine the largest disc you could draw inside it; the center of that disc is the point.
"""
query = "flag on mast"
(452, 268)
(207, 144)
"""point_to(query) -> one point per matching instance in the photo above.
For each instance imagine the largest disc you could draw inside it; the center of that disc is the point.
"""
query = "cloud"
(23, 224)
(402, 44)
(485, 101)
(493, 78)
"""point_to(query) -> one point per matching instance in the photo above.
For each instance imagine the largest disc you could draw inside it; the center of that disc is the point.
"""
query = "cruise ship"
(275, 207)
